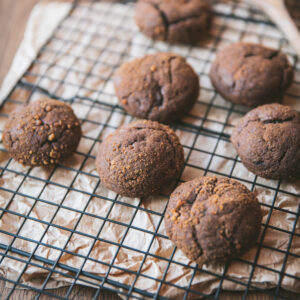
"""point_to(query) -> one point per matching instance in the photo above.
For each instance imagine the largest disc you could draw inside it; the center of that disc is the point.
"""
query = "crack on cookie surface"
(210, 209)
(268, 142)
(191, 18)
(251, 74)
(160, 87)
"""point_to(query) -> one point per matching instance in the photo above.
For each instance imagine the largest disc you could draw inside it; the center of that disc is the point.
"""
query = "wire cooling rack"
(76, 66)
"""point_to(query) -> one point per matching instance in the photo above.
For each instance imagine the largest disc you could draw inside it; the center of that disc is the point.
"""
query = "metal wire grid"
(86, 38)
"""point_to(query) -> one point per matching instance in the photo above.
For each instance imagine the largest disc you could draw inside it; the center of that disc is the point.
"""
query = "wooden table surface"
(13, 17)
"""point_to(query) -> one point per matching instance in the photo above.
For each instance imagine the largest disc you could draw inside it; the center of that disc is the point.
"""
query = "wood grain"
(13, 18)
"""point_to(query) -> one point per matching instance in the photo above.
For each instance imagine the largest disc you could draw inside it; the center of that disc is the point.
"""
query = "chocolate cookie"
(267, 140)
(139, 159)
(251, 74)
(160, 87)
(42, 133)
(213, 219)
(175, 21)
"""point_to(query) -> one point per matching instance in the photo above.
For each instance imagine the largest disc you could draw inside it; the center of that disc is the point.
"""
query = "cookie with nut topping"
(42, 133)
(213, 220)
(140, 158)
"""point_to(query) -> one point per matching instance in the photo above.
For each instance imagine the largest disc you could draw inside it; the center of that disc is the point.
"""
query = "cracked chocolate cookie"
(161, 87)
(213, 219)
(175, 21)
(267, 140)
(42, 133)
(250, 74)
(139, 159)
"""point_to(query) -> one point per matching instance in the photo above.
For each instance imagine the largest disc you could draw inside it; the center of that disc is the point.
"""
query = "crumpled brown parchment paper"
(128, 221)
